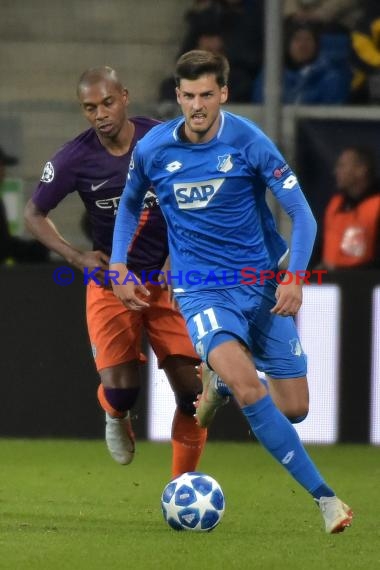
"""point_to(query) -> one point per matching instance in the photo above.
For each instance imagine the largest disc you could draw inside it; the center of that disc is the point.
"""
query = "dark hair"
(289, 35)
(192, 64)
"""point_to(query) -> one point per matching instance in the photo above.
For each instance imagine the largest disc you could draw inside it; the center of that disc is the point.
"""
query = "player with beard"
(211, 169)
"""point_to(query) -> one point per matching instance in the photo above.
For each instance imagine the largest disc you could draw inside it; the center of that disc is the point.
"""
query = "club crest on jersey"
(295, 347)
(48, 173)
(224, 163)
(192, 195)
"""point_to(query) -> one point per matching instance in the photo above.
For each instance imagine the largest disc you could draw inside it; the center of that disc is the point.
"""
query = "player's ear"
(224, 94)
(126, 96)
(177, 92)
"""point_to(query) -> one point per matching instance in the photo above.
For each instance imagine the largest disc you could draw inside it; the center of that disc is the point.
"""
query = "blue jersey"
(213, 198)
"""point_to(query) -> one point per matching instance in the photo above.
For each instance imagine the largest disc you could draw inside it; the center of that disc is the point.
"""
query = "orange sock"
(188, 441)
(106, 406)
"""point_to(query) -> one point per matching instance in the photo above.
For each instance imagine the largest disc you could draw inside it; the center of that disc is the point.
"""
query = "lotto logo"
(192, 195)
(290, 182)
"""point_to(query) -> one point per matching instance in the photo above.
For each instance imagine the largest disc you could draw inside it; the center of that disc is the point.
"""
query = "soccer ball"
(193, 501)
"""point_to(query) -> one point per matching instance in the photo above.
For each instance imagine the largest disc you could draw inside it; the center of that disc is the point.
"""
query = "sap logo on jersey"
(192, 195)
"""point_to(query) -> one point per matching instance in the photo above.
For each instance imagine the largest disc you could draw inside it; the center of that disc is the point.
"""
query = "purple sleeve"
(57, 180)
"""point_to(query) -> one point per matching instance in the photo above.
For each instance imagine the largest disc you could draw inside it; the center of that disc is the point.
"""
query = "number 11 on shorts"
(206, 322)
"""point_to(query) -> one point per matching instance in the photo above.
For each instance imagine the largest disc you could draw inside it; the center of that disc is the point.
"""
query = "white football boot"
(120, 439)
(210, 400)
(337, 515)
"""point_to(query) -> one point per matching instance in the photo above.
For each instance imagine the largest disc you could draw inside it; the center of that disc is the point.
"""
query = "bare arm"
(38, 223)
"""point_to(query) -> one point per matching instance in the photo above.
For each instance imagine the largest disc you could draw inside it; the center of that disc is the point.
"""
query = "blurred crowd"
(331, 56)
(331, 51)
(350, 229)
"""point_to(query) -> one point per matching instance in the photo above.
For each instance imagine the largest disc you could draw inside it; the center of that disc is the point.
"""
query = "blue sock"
(279, 437)
(323, 491)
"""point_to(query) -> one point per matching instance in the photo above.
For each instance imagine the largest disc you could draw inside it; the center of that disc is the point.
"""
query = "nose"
(197, 103)
(101, 112)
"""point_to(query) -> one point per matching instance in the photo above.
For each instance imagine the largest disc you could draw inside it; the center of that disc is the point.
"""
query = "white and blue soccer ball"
(193, 501)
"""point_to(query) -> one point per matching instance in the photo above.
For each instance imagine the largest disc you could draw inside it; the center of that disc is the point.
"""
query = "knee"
(297, 419)
(298, 415)
(185, 403)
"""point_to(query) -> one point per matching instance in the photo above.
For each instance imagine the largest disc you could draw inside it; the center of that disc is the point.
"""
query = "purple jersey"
(83, 165)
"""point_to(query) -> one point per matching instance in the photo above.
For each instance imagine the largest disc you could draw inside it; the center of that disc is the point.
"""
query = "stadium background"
(45, 352)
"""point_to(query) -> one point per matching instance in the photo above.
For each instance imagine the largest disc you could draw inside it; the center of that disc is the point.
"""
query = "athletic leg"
(117, 395)
(115, 335)
(188, 439)
(171, 343)
(220, 340)
(277, 351)
(275, 432)
(291, 396)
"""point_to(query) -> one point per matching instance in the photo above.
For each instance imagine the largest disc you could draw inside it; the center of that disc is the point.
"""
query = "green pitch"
(65, 505)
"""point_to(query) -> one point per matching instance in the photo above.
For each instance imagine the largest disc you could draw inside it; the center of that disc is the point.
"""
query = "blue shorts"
(244, 313)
